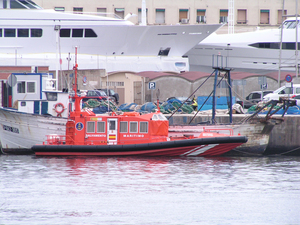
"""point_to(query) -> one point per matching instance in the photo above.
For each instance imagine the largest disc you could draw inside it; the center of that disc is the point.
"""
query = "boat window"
(123, 127)
(36, 32)
(21, 87)
(51, 96)
(164, 51)
(133, 127)
(77, 33)
(17, 5)
(162, 117)
(100, 127)
(30, 87)
(23, 32)
(90, 127)
(9, 32)
(0, 32)
(27, 4)
(89, 33)
(23, 104)
(112, 125)
(65, 32)
(143, 127)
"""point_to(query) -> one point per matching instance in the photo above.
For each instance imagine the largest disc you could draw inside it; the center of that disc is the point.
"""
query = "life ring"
(59, 112)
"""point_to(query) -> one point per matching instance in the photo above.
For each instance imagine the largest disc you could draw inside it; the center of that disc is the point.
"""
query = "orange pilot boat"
(129, 134)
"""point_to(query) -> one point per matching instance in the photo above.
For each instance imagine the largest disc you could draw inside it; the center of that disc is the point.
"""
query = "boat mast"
(280, 51)
(77, 98)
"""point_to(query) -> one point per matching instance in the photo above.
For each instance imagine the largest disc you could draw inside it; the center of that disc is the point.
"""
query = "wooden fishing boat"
(129, 134)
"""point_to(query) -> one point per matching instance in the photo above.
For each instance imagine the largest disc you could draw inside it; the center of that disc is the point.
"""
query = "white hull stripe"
(199, 150)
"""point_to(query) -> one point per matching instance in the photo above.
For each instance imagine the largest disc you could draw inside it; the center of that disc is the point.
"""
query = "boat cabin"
(128, 128)
(36, 93)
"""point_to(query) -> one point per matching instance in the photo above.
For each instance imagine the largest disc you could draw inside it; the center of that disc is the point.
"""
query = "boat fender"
(57, 106)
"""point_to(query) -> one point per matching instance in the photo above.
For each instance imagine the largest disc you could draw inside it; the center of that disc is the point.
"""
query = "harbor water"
(127, 190)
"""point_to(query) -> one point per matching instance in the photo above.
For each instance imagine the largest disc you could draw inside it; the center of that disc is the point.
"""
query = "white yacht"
(32, 36)
(257, 51)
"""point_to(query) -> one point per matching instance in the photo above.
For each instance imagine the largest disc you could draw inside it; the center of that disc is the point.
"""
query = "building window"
(23, 32)
(100, 127)
(78, 10)
(264, 16)
(133, 127)
(90, 127)
(9, 32)
(120, 12)
(241, 16)
(223, 15)
(36, 32)
(30, 87)
(123, 127)
(140, 16)
(21, 87)
(160, 16)
(101, 11)
(59, 9)
(143, 127)
(0, 32)
(279, 15)
(183, 15)
(201, 16)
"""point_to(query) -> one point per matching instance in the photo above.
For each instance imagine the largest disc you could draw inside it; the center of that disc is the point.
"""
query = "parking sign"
(152, 85)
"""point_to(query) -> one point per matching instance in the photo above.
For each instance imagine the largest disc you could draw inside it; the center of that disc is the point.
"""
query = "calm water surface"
(93, 190)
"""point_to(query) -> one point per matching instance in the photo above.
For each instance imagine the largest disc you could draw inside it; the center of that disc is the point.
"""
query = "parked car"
(95, 94)
(283, 91)
(253, 98)
(111, 93)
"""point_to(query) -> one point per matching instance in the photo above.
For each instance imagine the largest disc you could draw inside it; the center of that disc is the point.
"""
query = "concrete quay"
(284, 137)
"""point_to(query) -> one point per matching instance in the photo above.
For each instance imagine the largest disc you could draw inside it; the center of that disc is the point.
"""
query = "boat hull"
(258, 135)
(213, 146)
(20, 131)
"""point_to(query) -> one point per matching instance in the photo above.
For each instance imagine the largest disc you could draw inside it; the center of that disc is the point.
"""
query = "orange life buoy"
(59, 112)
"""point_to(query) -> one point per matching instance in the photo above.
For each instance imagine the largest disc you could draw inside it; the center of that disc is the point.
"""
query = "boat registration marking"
(11, 129)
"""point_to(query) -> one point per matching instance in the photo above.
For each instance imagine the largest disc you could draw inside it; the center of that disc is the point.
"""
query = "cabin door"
(112, 131)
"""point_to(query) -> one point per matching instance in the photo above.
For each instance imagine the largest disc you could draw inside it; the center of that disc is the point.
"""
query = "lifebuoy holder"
(56, 108)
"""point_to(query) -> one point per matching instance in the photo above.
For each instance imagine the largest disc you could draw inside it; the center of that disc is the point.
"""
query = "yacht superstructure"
(255, 51)
(33, 36)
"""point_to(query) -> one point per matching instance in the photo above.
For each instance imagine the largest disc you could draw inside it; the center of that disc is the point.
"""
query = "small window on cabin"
(23, 103)
(133, 127)
(90, 127)
(89, 33)
(0, 32)
(143, 127)
(77, 33)
(36, 32)
(164, 51)
(123, 127)
(9, 32)
(21, 87)
(65, 32)
(51, 96)
(112, 125)
(23, 32)
(100, 127)
(30, 87)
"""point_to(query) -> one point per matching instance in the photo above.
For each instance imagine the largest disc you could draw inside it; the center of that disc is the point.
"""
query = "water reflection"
(162, 190)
